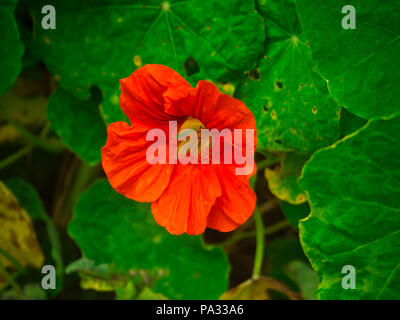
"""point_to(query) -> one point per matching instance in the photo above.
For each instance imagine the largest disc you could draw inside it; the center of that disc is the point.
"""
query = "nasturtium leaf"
(110, 228)
(80, 265)
(78, 123)
(261, 288)
(353, 188)
(17, 234)
(29, 110)
(294, 213)
(29, 200)
(221, 39)
(147, 294)
(30, 291)
(291, 103)
(11, 48)
(282, 179)
(27, 197)
(361, 64)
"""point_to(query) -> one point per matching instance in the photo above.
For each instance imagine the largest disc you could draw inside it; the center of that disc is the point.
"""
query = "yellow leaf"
(17, 235)
(258, 289)
(282, 179)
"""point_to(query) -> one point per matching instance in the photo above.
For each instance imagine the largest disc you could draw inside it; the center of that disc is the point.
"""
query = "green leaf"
(291, 104)
(282, 179)
(27, 197)
(148, 294)
(11, 48)
(17, 234)
(110, 228)
(31, 291)
(222, 38)
(294, 213)
(78, 123)
(79, 265)
(353, 189)
(280, 252)
(362, 64)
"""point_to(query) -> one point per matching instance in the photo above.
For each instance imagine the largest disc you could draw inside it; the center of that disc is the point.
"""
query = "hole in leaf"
(191, 66)
(96, 94)
(278, 84)
(255, 74)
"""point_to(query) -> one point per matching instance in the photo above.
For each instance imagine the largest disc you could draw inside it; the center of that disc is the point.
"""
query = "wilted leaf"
(353, 188)
(17, 235)
(282, 180)
(258, 289)
(29, 200)
(26, 110)
(148, 294)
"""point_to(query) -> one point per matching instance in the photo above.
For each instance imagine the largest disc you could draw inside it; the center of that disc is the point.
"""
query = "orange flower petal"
(213, 108)
(143, 93)
(186, 203)
(124, 162)
(236, 203)
(216, 111)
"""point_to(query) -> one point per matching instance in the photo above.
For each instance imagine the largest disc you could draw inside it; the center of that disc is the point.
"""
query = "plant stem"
(54, 146)
(258, 260)
(15, 156)
(55, 249)
(267, 231)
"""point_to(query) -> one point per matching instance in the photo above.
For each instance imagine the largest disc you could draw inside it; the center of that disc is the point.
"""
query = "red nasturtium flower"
(185, 198)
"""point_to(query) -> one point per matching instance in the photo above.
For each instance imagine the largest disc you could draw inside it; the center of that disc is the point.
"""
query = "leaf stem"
(55, 249)
(15, 156)
(267, 231)
(50, 146)
(258, 259)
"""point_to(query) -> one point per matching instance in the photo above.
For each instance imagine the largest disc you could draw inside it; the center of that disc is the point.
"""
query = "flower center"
(191, 128)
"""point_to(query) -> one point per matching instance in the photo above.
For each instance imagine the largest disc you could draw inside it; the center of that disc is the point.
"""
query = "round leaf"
(353, 189)
(291, 104)
(361, 64)
(11, 48)
(222, 39)
(110, 228)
